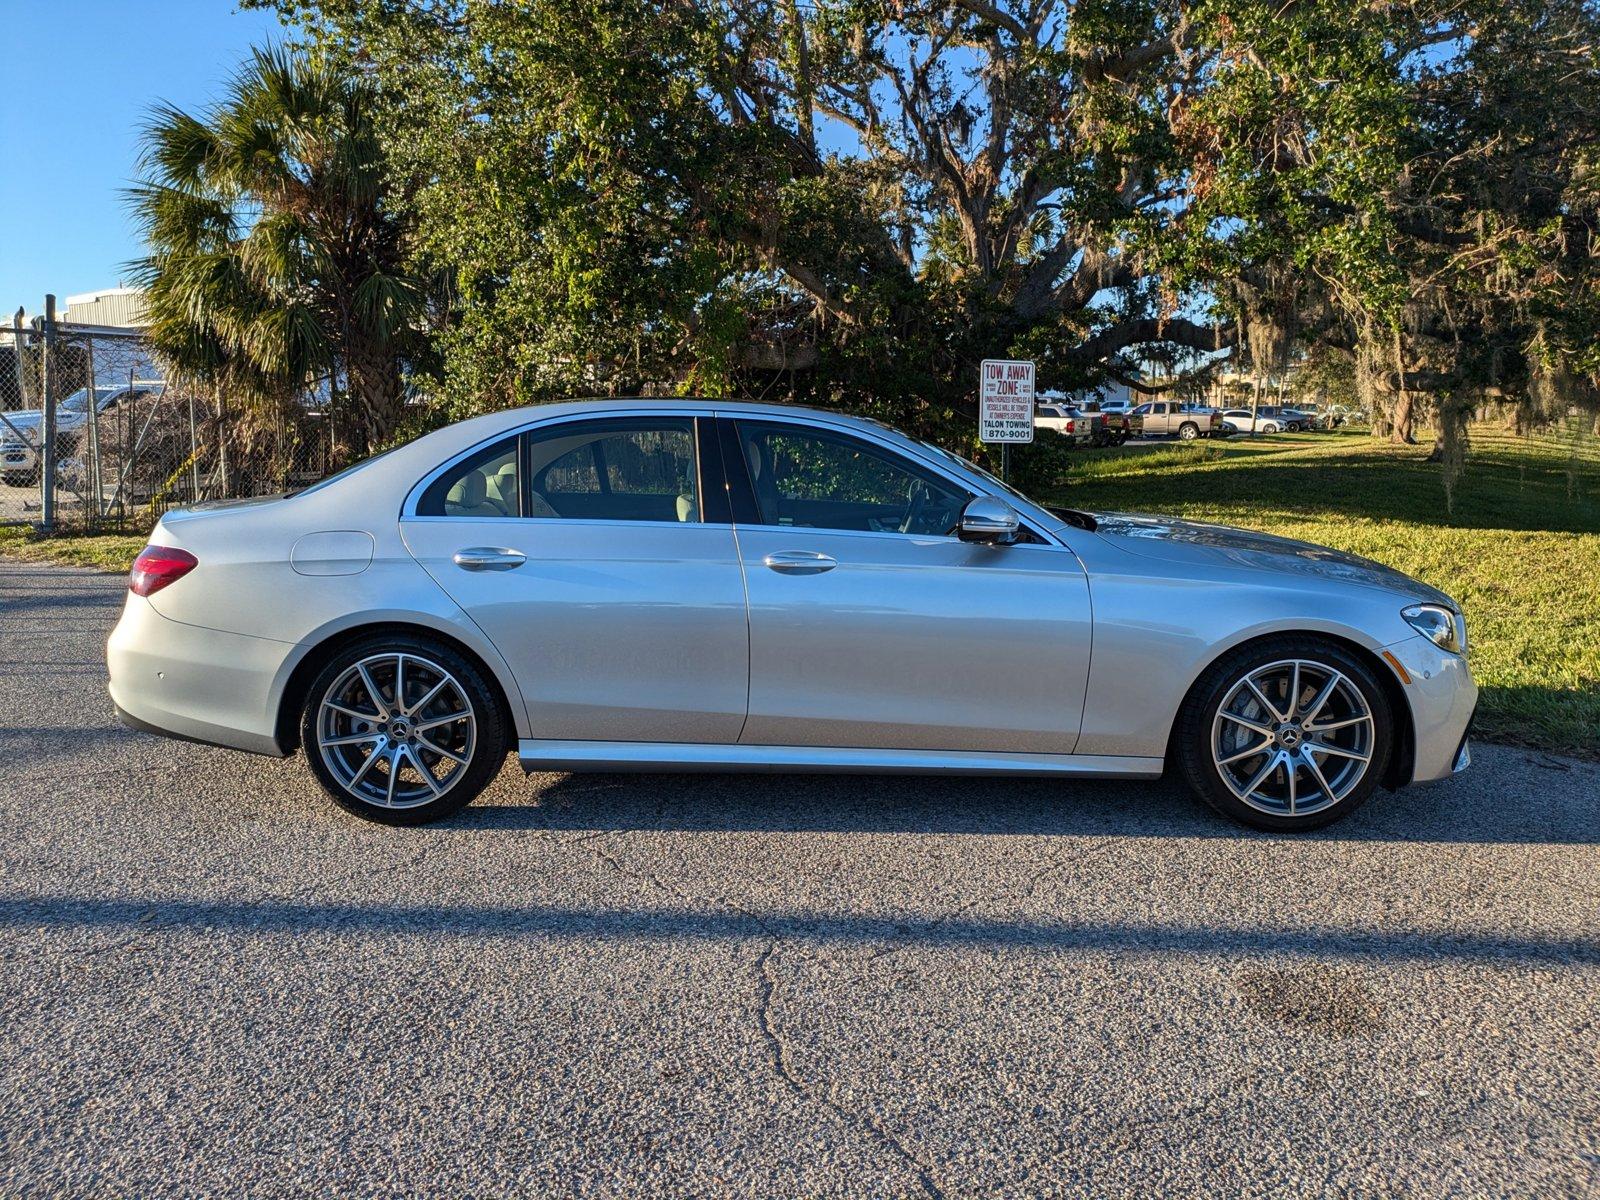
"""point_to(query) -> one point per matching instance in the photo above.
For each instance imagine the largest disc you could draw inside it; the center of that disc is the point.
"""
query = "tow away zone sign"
(1005, 401)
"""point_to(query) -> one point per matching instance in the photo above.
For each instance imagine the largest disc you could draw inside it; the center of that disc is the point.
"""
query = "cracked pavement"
(216, 983)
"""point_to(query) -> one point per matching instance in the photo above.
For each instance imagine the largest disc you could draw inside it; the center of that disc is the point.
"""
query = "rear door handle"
(800, 562)
(489, 558)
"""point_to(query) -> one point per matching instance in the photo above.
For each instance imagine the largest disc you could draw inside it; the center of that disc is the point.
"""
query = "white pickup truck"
(1077, 427)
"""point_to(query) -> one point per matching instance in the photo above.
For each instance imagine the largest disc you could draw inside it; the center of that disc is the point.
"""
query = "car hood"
(1172, 540)
(24, 419)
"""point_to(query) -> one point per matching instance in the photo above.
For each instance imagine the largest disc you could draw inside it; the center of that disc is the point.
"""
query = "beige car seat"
(503, 489)
(469, 497)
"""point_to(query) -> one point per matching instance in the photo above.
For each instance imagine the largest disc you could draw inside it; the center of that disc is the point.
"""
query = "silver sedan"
(676, 585)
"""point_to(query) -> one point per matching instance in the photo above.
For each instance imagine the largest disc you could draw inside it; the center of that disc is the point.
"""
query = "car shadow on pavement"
(1517, 797)
(587, 924)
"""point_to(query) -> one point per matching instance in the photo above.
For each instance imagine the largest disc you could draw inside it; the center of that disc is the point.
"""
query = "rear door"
(872, 625)
(599, 559)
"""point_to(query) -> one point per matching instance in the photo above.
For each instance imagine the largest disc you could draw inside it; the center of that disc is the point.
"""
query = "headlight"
(1445, 629)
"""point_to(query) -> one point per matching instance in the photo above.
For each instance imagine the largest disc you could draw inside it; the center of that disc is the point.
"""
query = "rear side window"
(628, 469)
(485, 486)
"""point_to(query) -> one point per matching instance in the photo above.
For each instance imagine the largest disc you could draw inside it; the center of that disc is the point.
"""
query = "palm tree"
(274, 259)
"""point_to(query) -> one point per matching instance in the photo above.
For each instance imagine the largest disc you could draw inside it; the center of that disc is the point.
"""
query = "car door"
(872, 625)
(601, 563)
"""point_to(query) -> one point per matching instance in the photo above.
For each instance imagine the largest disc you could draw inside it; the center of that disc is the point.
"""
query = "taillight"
(1072, 426)
(158, 566)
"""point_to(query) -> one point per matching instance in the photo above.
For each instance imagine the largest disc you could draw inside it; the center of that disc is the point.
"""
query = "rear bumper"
(1443, 698)
(200, 685)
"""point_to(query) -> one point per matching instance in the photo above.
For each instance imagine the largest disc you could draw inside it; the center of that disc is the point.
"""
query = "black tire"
(483, 743)
(1192, 737)
(1188, 431)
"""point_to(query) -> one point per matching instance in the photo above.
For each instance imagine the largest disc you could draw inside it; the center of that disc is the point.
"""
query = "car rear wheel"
(1286, 734)
(1188, 431)
(402, 730)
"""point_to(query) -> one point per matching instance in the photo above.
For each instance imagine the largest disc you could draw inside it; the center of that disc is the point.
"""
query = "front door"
(872, 625)
(582, 550)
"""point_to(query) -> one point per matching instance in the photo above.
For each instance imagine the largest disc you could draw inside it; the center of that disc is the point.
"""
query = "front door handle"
(800, 562)
(489, 558)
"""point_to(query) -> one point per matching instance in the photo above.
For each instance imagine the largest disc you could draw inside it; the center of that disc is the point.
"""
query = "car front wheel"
(1286, 734)
(402, 730)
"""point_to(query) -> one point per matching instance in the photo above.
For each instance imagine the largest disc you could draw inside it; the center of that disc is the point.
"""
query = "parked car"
(706, 585)
(1076, 427)
(1163, 418)
(1287, 418)
(22, 432)
(1116, 406)
(1112, 428)
(1241, 421)
(1305, 418)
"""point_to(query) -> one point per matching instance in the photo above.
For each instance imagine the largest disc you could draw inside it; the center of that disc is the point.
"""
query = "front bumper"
(1443, 697)
(201, 685)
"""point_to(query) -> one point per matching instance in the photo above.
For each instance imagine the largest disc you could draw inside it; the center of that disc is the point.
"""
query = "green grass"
(1520, 549)
(107, 552)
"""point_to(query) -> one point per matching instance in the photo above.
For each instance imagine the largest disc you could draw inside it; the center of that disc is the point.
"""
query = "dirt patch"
(1323, 999)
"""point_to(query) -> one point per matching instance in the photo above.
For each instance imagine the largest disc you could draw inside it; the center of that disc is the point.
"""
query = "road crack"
(783, 1064)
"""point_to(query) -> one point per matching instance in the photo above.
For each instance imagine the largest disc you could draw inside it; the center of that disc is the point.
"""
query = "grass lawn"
(108, 552)
(1520, 550)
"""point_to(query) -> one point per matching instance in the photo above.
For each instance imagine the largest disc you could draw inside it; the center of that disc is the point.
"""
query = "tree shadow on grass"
(1489, 496)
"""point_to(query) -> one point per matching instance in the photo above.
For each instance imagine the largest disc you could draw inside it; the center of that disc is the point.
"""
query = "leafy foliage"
(851, 202)
(277, 258)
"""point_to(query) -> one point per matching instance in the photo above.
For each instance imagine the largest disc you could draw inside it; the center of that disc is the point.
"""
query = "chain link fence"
(94, 438)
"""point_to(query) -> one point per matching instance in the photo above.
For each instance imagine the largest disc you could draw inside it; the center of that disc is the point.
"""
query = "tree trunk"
(376, 393)
(1404, 422)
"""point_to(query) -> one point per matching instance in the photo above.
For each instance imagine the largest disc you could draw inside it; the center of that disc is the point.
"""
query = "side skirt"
(543, 755)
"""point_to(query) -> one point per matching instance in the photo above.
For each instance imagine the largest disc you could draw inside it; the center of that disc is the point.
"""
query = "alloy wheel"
(1293, 737)
(396, 730)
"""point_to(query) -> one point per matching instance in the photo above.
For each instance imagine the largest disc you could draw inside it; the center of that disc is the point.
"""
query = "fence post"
(47, 473)
(93, 465)
(222, 449)
(22, 370)
(194, 454)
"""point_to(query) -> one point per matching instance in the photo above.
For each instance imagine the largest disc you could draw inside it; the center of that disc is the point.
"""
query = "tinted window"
(821, 480)
(483, 486)
(621, 470)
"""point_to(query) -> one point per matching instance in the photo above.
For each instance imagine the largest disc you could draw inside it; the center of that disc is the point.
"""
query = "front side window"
(822, 480)
(635, 469)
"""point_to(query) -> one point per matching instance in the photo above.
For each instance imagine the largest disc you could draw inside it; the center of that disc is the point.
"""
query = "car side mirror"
(990, 520)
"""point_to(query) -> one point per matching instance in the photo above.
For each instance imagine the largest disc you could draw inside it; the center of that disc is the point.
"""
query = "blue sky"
(77, 79)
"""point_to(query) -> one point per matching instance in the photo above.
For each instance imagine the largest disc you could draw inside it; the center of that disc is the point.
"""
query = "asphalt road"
(216, 983)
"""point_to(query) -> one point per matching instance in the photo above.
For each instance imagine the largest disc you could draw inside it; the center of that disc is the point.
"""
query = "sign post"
(1005, 406)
